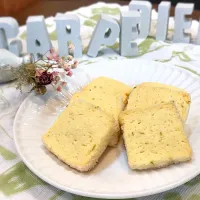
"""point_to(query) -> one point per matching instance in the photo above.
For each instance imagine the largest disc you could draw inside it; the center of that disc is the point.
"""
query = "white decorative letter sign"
(106, 32)
(181, 23)
(163, 19)
(129, 32)
(145, 9)
(68, 30)
(134, 23)
(9, 28)
(38, 42)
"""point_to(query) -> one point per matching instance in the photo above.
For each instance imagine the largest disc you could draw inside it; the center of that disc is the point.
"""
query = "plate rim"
(93, 194)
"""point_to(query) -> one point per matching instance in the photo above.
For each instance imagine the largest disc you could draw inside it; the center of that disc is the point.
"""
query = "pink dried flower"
(53, 55)
(69, 58)
(70, 73)
(74, 65)
(67, 69)
(63, 84)
(45, 78)
(51, 50)
(56, 80)
(62, 59)
(59, 89)
(55, 73)
(51, 71)
(65, 65)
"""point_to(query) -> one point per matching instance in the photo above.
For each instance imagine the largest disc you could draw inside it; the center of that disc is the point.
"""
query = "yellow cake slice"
(145, 96)
(80, 135)
(110, 86)
(111, 104)
(154, 137)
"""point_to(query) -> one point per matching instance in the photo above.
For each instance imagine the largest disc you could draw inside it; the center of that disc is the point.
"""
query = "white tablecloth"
(17, 182)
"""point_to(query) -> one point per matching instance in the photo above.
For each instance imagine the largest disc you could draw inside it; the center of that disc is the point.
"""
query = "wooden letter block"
(145, 8)
(163, 20)
(129, 32)
(106, 32)
(181, 23)
(68, 30)
(9, 28)
(38, 42)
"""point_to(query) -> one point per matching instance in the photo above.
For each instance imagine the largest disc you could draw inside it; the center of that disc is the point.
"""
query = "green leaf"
(106, 10)
(53, 35)
(23, 35)
(182, 56)
(194, 197)
(90, 62)
(5, 101)
(49, 25)
(191, 70)
(172, 196)
(159, 47)
(83, 61)
(194, 181)
(171, 30)
(95, 17)
(145, 45)
(112, 58)
(69, 43)
(57, 194)
(6, 154)
(114, 46)
(185, 57)
(82, 15)
(89, 23)
(18, 178)
(85, 50)
(166, 60)
(131, 57)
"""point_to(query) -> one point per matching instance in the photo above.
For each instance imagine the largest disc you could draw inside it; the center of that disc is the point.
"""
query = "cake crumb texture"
(143, 96)
(80, 135)
(154, 137)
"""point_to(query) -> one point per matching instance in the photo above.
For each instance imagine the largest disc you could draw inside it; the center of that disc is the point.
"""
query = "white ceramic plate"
(112, 177)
